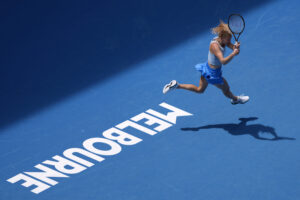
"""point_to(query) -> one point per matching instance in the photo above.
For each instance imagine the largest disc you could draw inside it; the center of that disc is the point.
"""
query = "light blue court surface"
(71, 71)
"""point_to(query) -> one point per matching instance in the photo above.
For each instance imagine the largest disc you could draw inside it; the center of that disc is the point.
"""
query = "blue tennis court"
(83, 115)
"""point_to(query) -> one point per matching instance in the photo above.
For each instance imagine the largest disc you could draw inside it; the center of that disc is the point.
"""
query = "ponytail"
(221, 30)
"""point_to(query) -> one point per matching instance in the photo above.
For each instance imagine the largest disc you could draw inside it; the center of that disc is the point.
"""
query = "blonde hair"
(221, 30)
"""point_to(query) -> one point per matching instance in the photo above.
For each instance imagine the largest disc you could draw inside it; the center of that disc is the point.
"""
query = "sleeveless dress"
(212, 76)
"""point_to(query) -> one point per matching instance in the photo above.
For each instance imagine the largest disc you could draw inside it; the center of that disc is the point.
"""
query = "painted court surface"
(74, 74)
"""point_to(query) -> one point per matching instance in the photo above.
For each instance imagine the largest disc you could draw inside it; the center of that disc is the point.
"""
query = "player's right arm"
(215, 49)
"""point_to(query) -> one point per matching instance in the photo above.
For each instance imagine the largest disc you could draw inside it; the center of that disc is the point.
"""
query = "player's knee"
(200, 90)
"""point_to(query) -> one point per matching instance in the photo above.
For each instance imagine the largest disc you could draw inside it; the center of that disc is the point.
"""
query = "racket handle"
(236, 43)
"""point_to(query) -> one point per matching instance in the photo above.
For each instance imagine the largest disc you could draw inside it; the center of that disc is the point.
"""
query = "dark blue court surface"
(74, 73)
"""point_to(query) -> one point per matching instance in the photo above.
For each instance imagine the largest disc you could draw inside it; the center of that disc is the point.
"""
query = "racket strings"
(236, 24)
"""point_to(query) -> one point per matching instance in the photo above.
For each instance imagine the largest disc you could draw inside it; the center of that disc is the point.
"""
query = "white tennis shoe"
(170, 86)
(241, 100)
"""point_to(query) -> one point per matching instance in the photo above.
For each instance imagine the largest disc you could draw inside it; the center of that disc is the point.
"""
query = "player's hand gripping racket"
(236, 24)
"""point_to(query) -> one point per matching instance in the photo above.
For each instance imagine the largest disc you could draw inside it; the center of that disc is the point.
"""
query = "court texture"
(83, 115)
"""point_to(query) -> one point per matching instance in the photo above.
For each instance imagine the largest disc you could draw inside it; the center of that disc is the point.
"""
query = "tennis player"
(211, 71)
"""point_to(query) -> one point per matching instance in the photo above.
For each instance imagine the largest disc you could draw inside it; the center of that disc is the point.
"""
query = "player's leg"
(199, 89)
(226, 91)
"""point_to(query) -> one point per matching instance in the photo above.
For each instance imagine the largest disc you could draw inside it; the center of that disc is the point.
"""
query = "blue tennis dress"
(212, 76)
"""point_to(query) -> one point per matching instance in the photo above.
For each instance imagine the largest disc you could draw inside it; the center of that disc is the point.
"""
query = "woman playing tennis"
(211, 71)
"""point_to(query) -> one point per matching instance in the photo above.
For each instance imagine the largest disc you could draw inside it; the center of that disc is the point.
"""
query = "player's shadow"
(243, 129)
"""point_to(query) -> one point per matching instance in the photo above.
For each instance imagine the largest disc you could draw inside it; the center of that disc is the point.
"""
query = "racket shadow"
(242, 128)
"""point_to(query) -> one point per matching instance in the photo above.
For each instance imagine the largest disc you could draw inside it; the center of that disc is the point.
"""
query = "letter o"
(115, 147)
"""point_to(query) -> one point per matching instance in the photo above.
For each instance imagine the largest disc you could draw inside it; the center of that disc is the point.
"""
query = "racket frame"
(233, 33)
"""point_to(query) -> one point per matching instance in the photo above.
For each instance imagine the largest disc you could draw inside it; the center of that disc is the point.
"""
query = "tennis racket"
(236, 24)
